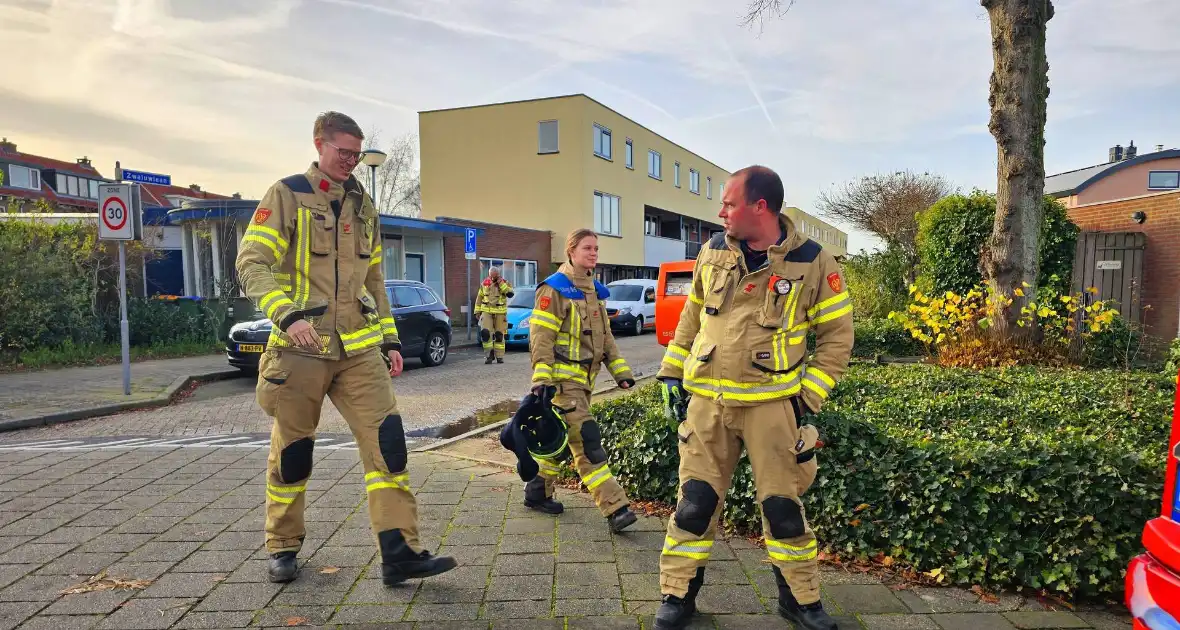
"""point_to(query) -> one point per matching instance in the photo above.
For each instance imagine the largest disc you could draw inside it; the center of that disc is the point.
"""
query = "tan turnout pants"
(291, 390)
(589, 458)
(493, 328)
(711, 441)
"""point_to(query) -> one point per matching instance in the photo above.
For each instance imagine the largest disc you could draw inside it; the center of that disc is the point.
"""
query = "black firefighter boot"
(400, 563)
(622, 519)
(282, 567)
(675, 612)
(535, 499)
(490, 358)
(805, 616)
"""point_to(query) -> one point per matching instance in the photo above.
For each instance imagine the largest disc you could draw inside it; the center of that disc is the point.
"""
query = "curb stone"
(160, 400)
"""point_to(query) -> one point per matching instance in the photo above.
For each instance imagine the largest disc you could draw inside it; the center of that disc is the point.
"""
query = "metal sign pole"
(468, 299)
(123, 318)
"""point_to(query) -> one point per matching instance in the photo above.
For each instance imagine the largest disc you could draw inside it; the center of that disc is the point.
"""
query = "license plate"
(251, 347)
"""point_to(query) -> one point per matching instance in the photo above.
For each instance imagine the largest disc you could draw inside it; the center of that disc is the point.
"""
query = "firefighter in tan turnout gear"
(311, 260)
(740, 355)
(491, 305)
(569, 341)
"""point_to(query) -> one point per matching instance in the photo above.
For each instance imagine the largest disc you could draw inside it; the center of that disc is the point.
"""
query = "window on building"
(654, 166)
(93, 189)
(721, 190)
(606, 214)
(24, 177)
(518, 273)
(676, 175)
(547, 136)
(651, 226)
(708, 188)
(1162, 180)
(61, 183)
(72, 189)
(630, 154)
(694, 181)
(602, 146)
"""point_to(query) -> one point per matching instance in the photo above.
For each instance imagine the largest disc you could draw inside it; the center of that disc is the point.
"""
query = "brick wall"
(1161, 261)
(496, 241)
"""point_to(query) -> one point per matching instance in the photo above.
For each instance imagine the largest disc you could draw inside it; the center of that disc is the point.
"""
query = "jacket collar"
(581, 277)
(323, 184)
(790, 240)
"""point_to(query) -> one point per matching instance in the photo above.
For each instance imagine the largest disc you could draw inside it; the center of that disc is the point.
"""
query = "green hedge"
(1033, 477)
(883, 337)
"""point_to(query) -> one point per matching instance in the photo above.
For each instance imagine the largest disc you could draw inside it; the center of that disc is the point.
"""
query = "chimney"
(1159, 147)
(1131, 151)
(6, 146)
(194, 188)
(1116, 153)
(237, 195)
(84, 161)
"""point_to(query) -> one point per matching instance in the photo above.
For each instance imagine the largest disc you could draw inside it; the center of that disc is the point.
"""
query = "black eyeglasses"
(346, 155)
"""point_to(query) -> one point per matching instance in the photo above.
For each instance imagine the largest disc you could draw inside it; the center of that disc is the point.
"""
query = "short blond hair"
(328, 124)
(575, 238)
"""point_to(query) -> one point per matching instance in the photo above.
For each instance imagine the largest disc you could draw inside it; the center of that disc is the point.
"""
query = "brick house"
(66, 186)
(523, 254)
(1161, 263)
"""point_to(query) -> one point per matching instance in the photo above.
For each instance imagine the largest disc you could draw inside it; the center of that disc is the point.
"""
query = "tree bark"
(1018, 99)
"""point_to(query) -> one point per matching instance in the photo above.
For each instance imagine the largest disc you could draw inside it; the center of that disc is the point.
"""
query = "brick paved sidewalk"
(189, 521)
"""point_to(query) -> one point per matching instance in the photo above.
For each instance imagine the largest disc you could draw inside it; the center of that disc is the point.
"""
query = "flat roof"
(591, 99)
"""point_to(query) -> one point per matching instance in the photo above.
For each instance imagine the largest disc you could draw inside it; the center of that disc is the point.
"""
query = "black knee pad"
(592, 442)
(499, 337)
(784, 516)
(695, 510)
(391, 438)
(295, 460)
(485, 335)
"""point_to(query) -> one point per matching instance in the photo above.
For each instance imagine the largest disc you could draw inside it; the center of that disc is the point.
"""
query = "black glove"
(510, 293)
(544, 393)
(675, 401)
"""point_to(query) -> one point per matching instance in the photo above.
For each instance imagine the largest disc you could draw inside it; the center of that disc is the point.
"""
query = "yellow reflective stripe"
(252, 238)
(359, 333)
(272, 301)
(790, 553)
(274, 497)
(695, 549)
(618, 366)
(541, 322)
(375, 260)
(597, 477)
(545, 315)
(677, 350)
(388, 326)
(575, 334)
(818, 382)
(378, 480)
(285, 489)
(303, 256)
(827, 317)
(284, 494)
(542, 372)
(570, 368)
(261, 233)
(832, 301)
(696, 300)
(364, 343)
(547, 467)
(778, 386)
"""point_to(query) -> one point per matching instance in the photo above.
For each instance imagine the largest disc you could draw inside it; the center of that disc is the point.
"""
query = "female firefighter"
(569, 340)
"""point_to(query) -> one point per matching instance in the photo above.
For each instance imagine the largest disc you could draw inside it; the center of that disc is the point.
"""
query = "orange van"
(672, 289)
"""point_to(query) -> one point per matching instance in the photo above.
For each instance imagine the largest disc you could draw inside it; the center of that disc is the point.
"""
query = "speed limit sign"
(116, 212)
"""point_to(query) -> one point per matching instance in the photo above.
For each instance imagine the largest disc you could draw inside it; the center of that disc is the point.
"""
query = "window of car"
(426, 295)
(522, 298)
(626, 292)
(405, 296)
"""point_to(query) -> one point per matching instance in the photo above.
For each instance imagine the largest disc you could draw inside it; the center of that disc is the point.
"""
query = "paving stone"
(453, 625)
(62, 622)
(314, 578)
(584, 532)
(343, 556)
(641, 587)
(628, 541)
(972, 621)
(174, 508)
(723, 599)
(521, 587)
(37, 588)
(442, 612)
(8, 543)
(638, 561)
(440, 498)
(33, 526)
(1106, 620)
(105, 518)
(947, 600)
(10, 573)
(75, 563)
(473, 535)
(526, 543)
(193, 532)
(620, 622)
(583, 551)
(35, 553)
(470, 555)
(582, 607)
(139, 570)
(529, 526)
(1033, 619)
(524, 564)
(147, 614)
(369, 614)
(200, 620)
(372, 591)
(230, 597)
(596, 574)
(728, 572)
(699, 622)
(74, 535)
(433, 593)
(235, 540)
(898, 622)
(13, 613)
(526, 609)
(182, 585)
(829, 575)
(171, 551)
(483, 518)
(94, 603)
(485, 504)
(865, 598)
(212, 561)
(148, 524)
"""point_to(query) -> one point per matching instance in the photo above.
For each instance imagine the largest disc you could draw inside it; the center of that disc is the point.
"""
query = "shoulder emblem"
(543, 303)
(261, 215)
(835, 282)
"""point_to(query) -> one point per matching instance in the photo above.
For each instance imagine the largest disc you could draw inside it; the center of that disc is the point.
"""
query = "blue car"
(520, 307)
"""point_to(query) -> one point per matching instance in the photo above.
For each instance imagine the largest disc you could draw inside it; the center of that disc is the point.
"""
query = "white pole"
(123, 318)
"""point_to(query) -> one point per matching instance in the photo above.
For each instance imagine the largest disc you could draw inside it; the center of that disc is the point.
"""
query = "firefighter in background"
(491, 305)
(740, 350)
(311, 261)
(570, 340)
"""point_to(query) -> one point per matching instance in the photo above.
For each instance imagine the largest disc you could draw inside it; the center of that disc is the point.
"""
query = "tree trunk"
(1019, 94)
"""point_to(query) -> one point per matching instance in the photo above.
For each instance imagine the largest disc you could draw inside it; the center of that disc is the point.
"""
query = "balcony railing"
(692, 250)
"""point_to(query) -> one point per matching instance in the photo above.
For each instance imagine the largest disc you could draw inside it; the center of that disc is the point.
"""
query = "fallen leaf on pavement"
(329, 570)
(295, 621)
(101, 582)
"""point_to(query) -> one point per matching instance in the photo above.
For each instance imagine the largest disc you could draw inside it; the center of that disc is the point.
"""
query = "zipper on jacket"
(336, 261)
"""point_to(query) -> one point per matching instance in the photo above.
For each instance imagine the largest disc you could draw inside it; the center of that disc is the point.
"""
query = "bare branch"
(396, 189)
(759, 10)
(885, 205)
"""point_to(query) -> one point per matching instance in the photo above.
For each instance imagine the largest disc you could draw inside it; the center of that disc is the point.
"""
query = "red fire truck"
(1153, 578)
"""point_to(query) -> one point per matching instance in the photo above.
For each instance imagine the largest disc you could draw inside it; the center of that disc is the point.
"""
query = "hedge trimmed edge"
(1019, 477)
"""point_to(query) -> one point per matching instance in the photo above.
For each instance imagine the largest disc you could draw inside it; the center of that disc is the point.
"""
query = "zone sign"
(115, 212)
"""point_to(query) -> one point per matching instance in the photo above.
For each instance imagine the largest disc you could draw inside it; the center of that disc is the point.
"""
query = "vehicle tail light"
(447, 310)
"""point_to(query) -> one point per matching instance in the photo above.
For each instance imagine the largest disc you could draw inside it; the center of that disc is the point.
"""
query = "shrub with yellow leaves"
(954, 328)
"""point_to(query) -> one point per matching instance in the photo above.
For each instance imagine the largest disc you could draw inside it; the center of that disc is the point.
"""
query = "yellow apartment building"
(829, 236)
(570, 162)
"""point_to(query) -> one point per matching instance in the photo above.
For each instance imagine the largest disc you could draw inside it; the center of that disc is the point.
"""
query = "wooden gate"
(1112, 262)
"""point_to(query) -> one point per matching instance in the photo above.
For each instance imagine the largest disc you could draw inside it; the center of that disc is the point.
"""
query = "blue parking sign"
(470, 244)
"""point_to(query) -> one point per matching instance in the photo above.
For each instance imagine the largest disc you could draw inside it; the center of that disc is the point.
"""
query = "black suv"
(423, 324)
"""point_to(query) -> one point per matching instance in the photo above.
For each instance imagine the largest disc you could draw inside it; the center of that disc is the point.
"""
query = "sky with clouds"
(223, 92)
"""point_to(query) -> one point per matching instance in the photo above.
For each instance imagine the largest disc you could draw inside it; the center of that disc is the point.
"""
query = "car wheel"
(436, 349)
(637, 329)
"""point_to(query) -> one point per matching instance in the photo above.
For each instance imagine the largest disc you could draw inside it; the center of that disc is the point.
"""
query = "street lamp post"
(373, 158)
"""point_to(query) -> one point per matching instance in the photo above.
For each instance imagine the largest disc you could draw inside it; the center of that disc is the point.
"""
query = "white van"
(632, 305)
